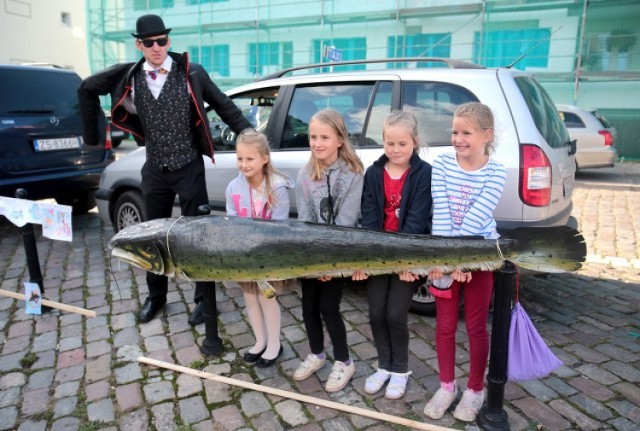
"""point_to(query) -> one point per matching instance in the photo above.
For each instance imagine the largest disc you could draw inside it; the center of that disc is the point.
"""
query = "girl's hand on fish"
(408, 277)
(435, 273)
(461, 276)
(325, 278)
(359, 275)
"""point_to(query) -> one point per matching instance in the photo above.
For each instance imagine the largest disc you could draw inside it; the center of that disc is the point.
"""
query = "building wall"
(44, 31)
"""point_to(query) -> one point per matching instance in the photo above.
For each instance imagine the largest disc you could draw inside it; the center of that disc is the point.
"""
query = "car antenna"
(532, 48)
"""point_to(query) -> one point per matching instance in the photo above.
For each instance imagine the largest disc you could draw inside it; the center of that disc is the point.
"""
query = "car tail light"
(608, 138)
(535, 176)
(107, 141)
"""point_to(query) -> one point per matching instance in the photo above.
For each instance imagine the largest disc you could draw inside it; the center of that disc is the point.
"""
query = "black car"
(41, 145)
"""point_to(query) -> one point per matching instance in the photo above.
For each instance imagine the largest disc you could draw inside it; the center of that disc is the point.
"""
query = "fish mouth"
(157, 266)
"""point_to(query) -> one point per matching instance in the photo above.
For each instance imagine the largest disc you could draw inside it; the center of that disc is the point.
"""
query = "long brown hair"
(334, 120)
(260, 143)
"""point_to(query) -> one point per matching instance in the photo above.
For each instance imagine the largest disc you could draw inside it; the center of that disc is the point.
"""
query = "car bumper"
(102, 197)
(604, 158)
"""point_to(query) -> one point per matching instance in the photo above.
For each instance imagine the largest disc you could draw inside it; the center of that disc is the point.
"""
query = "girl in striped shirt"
(466, 187)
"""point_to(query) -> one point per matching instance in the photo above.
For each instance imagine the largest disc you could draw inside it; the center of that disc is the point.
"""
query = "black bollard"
(31, 251)
(492, 416)
(212, 343)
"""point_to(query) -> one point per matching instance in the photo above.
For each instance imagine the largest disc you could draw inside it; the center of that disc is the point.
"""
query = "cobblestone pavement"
(61, 371)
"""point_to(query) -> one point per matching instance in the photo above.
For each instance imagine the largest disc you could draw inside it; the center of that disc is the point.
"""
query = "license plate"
(117, 133)
(57, 144)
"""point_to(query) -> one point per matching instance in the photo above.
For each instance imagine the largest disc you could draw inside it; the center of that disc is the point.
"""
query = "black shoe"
(197, 315)
(264, 363)
(252, 357)
(149, 310)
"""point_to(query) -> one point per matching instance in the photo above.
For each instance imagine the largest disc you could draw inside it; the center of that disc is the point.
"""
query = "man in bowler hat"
(159, 100)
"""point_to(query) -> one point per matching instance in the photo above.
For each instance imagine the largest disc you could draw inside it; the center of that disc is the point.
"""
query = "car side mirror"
(573, 147)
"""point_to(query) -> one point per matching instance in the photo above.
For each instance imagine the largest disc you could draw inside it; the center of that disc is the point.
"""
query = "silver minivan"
(533, 142)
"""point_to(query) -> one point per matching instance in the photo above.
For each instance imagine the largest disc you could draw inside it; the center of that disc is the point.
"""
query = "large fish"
(233, 248)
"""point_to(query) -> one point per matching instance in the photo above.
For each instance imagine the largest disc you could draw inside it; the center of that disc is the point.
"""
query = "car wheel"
(80, 202)
(423, 302)
(129, 210)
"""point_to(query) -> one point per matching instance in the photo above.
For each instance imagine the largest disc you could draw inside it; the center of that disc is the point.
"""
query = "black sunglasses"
(148, 43)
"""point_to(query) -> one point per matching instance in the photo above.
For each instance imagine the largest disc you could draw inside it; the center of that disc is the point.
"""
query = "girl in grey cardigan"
(328, 190)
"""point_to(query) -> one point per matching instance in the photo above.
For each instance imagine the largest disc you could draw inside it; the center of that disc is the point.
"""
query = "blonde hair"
(334, 120)
(408, 121)
(482, 116)
(259, 142)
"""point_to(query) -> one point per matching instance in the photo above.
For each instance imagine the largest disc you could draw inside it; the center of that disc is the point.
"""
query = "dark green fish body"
(241, 249)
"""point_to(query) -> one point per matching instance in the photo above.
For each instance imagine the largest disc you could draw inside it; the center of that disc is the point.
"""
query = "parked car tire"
(129, 210)
(423, 302)
(80, 202)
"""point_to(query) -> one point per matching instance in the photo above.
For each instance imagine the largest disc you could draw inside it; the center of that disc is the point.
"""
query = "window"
(255, 106)
(192, 2)
(352, 49)
(502, 47)
(65, 18)
(214, 58)
(419, 45)
(268, 57)
(379, 111)
(433, 104)
(571, 120)
(350, 100)
(151, 4)
(543, 111)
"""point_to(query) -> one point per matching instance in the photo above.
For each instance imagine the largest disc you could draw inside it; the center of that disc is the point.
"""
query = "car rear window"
(544, 112)
(605, 123)
(35, 92)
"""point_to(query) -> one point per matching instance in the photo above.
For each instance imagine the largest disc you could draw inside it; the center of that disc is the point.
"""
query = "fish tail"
(549, 249)
(266, 289)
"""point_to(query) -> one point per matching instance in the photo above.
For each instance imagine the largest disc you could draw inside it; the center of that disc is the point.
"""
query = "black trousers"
(321, 302)
(389, 303)
(159, 190)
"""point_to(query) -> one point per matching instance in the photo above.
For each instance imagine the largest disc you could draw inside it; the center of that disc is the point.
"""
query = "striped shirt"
(464, 201)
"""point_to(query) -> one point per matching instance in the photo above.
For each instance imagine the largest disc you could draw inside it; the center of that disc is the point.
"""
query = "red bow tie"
(154, 73)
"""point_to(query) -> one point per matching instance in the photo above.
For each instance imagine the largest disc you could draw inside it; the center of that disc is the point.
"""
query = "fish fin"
(266, 289)
(549, 249)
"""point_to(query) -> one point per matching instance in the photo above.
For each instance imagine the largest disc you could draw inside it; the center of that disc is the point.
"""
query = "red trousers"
(477, 296)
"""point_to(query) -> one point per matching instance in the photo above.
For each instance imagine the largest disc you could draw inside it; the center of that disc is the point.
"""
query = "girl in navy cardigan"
(396, 198)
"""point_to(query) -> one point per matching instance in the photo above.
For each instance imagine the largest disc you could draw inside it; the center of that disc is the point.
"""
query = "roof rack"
(452, 64)
(54, 66)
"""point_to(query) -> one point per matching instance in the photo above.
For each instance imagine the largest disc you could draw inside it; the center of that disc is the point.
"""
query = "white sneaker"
(469, 406)
(309, 366)
(440, 402)
(340, 376)
(397, 385)
(376, 381)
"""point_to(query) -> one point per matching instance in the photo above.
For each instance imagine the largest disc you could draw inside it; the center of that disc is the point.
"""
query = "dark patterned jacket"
(117, 81)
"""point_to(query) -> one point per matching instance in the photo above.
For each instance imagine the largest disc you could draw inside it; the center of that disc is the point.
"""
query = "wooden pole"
(295, 396)
(52, 304)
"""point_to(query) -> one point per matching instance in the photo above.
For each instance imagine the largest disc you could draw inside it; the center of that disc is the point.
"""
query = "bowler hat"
(150, 25)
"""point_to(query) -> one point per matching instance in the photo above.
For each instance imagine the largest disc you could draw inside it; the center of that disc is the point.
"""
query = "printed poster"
(33, 298)
(55, 219)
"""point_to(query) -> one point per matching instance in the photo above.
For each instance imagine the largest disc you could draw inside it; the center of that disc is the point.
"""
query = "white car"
(533, 143)
(595, 137)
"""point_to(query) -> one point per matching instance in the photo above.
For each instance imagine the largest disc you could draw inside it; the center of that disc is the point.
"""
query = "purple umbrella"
(529, 356)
